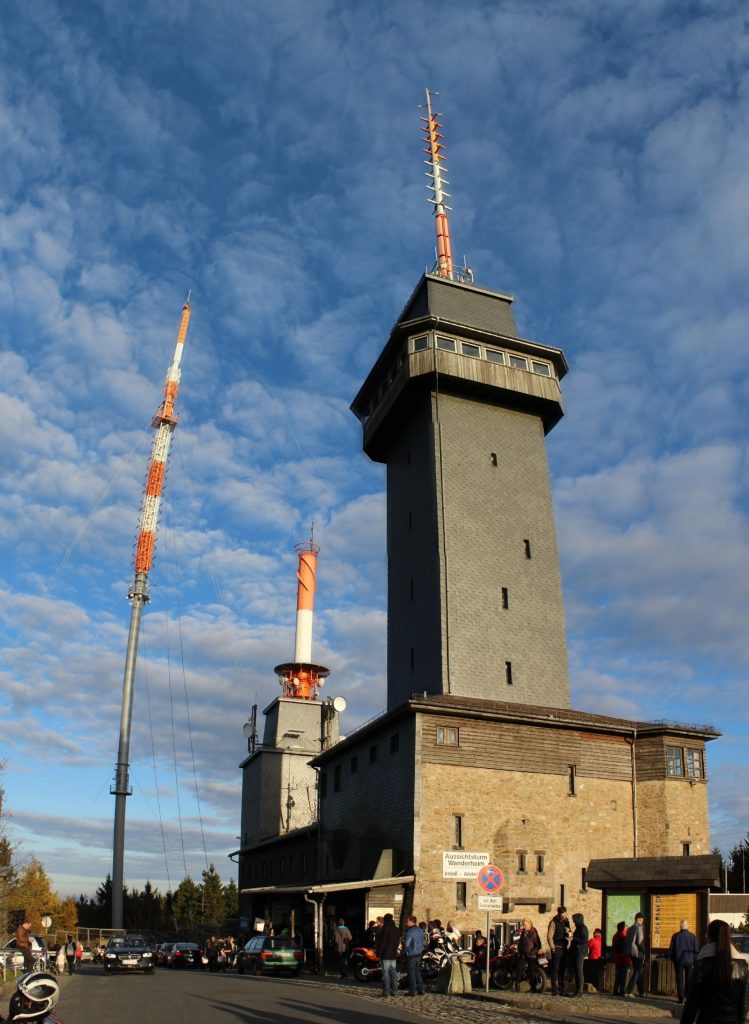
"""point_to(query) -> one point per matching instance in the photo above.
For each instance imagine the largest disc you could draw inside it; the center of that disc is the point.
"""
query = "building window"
(373, 755)
(584, 879)
(562, 895)
(527, 546)
(505, 598)
(448, 736)
(541, 368)
(461, 895)
(337, 779)
(457, 831)
(674, 764)
(572, 780)
(354, 764)
(395, 743)
(421, 343)
(494, 459)
(519, 362)
(323, 784)
(540, 863)
(446, 344)
(495, 357)
(522, 862)
(693, 768)
(508, 673)
(471, 350)
(686, 849)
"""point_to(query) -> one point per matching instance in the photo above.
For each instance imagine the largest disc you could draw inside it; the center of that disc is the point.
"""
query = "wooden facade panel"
(511, 746)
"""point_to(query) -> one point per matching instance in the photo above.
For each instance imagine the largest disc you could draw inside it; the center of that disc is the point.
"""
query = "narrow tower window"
(572, 780)
(461, 895)
(458, 831)
(527, 545)
(508, 673)
(494, 458)
(505, 598)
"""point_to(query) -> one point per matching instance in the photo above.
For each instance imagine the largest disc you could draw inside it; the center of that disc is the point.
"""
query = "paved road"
(197, 997)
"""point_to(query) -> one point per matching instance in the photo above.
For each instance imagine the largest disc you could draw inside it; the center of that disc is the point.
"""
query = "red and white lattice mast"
(437, 171)
(164, 423)
(301, 678)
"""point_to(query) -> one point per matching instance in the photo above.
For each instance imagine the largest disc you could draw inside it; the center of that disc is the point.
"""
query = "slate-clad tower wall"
(457, 406)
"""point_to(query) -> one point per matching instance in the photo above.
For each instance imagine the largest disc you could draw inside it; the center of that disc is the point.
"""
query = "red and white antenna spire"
(301, 678)
(438, 168)
(164, 423)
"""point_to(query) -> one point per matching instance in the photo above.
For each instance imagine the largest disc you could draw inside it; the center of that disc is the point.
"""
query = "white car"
(14, 957)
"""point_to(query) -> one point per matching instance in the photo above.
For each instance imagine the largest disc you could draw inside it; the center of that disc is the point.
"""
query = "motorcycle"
(503, 967)
(365, 964)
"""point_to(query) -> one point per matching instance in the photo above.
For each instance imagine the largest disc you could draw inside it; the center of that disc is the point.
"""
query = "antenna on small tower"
(438, 168)
(301, 678)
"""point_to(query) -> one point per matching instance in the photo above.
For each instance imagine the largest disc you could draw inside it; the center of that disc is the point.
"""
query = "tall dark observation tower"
(458, 405)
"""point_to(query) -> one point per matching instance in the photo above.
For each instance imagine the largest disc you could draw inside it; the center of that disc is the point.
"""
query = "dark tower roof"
(486, 361)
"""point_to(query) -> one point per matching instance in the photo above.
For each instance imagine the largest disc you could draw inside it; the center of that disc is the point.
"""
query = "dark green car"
(269, 954)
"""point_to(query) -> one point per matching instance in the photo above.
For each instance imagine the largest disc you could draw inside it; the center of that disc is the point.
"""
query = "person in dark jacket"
(636, 953)
(718, 991)
(558, 937)
(388, 942)
(621, 960)
(579, 951)
(529, 946)
(683, 952)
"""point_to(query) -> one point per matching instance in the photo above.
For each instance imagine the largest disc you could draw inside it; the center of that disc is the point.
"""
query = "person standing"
(558, 939)
(342, 939)
(579, 951)
(636, 952)
(621, 960)
(718, 992)
(452, 936)
(70, 948)
(595, 959)
(23, 943)
(529, 946)
(388, 942)
(683, 951)
(413, 947)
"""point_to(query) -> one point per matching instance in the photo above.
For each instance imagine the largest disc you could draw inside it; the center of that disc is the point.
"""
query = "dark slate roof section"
(564, 717)
(637, 873)
(526, 714)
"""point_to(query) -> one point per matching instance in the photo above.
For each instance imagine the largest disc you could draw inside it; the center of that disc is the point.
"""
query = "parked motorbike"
(503, 966)
(365, 964)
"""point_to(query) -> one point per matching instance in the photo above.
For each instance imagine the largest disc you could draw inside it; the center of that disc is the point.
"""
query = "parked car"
(740, 942)
(268, 954)
(14, 957)
(87, 955)
(161, 953)
(128, 953)
(184, 954)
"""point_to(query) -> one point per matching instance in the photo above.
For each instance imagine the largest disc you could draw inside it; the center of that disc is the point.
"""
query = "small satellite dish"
(339, 703)
(247, 729)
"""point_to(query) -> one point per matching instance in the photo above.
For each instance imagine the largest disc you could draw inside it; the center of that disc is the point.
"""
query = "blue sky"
(268, 157)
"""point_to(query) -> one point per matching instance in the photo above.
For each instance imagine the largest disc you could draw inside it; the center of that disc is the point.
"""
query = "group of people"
(220, 953)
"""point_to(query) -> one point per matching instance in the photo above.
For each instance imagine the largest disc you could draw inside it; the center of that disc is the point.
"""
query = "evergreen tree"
(186, 905)
(212, 909)
(231, 899)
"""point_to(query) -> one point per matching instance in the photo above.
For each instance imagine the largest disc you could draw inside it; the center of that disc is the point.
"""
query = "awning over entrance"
(290, 890)
(656, 873)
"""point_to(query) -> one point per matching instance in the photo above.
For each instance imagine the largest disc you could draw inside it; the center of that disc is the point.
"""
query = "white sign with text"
(462, 865)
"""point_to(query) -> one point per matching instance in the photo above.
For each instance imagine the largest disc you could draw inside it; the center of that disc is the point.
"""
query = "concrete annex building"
(478, 748)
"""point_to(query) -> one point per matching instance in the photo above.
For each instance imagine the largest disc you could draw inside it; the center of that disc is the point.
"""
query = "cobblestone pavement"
(517, 1007)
